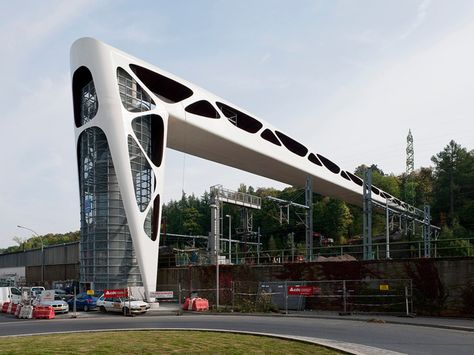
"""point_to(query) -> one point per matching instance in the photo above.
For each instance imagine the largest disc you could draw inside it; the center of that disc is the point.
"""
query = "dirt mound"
(344, 257)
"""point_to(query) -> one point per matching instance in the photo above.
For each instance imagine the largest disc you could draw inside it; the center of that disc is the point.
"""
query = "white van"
(10, 294)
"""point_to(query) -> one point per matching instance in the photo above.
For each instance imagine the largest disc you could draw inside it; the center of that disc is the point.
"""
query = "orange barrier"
(186, 304)
(43, 312)
(200, 304)
(5, 307)
(189, 304)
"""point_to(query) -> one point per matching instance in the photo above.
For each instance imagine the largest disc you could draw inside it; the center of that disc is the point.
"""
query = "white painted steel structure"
(194, 121)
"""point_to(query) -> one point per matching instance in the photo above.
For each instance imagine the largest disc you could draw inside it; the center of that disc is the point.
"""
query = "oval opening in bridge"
(332, 167)
(292, 145)
(240, 119)
(165, 88)
(203, 108)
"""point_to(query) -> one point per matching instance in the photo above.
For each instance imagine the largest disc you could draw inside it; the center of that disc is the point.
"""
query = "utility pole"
(42, 251)
(367, 203)
(230, 237)
(309, 218)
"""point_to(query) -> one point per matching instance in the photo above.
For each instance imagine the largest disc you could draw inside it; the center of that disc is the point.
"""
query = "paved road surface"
(395, 337)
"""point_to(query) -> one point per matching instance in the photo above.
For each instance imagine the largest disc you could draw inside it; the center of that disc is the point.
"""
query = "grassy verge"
(156, 342)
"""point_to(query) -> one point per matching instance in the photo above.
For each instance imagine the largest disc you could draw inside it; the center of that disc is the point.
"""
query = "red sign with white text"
(116, 293)
(301, 290)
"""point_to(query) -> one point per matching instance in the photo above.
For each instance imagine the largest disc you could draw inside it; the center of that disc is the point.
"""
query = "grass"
(156, 342)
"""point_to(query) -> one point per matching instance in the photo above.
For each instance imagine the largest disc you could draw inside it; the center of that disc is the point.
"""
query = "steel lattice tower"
(410, 168)
(409, 182)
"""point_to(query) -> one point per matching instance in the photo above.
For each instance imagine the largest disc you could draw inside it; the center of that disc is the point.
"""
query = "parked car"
(62, 294)
(122, 304)
(36, 290)
(84, 302)
(59, 306)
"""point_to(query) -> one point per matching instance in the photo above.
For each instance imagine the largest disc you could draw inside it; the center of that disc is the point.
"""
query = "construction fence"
(377, 296)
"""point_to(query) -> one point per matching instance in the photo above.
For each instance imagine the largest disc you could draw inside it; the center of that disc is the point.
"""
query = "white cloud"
(419, 19)
(428, 90)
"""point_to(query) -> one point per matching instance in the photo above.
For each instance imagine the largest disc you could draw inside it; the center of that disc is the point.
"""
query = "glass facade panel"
(133, 97)
(141, 173)
(89, 104)
(103, 221)
(84, 96)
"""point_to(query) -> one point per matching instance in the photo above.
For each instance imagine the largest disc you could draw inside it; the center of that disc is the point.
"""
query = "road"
(395, 337)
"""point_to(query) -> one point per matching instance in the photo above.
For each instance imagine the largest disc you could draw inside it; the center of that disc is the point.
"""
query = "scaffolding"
(107, 256)
(220, 195)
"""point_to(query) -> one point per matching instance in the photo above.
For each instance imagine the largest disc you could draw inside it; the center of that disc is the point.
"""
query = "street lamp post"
(230, 241)
(42, 251)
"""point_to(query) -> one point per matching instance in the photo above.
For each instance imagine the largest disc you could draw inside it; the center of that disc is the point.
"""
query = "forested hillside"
(447, 186)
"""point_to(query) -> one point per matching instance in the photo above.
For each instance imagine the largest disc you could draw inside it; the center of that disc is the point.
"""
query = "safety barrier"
(200, 304)
(5, 307)
(43, 312)
(26, 312)
(196, 304)
(188, 304)
(17, 310)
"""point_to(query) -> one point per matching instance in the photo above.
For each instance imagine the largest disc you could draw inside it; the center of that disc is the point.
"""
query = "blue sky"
(347, 78)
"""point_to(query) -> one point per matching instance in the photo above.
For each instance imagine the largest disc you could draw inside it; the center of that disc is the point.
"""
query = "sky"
(346, 78)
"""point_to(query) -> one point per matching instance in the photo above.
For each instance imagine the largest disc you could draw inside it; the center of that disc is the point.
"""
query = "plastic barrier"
(188, 303)
(43, 312)
(26, 312)
(200, 304)
(18, 310)
(5, 307)
(22, 311)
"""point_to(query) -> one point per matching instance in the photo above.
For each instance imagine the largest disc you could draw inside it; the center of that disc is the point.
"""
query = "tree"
(424, 182)
(191, 218)
(332, 218)
(451, 242)
(388, 183)
(454, 180)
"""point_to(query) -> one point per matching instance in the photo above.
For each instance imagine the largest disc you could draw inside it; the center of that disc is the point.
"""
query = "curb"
(345, 347)
(358, 319)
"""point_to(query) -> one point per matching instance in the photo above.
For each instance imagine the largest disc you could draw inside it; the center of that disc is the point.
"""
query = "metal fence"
(253, 255)
(382, 296)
